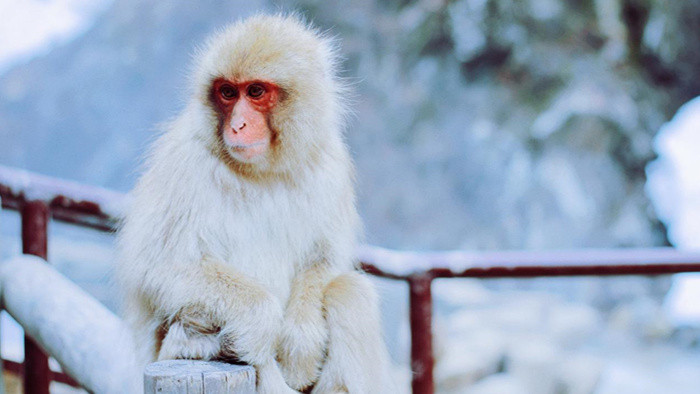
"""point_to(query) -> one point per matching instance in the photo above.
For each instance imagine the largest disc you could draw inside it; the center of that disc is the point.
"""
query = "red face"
(245, 109)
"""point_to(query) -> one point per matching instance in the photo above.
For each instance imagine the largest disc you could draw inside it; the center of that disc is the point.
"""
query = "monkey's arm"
(304, 333)
(331, 336)
(357, 360)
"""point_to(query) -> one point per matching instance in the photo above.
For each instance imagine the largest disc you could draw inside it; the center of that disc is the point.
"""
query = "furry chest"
(264, 241)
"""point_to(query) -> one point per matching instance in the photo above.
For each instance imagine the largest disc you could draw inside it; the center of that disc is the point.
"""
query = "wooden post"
(198, 377)
(35, 219)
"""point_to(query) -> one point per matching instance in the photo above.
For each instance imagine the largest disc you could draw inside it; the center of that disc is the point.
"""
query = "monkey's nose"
(236, 128)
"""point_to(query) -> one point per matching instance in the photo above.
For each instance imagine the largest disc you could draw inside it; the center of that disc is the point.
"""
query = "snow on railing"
(33, 186)
(503, 264)
(89, 342)
(68, 201)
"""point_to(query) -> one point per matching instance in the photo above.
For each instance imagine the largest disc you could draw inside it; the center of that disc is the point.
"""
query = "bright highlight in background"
(674, 188)
(29, 28)
(674, 179)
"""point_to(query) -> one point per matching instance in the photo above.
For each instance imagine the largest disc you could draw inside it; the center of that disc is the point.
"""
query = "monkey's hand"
(304, 335)
(302, 347)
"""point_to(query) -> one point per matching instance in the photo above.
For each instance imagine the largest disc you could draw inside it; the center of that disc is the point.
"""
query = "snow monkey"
(239, 240)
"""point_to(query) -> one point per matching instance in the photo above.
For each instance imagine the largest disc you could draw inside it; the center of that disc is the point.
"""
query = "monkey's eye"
(255, 90)
(228, 92)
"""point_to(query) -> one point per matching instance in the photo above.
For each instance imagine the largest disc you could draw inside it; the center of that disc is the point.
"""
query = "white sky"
(29, 28)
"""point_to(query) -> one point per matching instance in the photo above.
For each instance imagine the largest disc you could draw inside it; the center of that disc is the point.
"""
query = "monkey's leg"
(191, 334)
(357, 360)
(181, 343)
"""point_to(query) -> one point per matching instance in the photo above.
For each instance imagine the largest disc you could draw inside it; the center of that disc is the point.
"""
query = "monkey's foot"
(270, 380)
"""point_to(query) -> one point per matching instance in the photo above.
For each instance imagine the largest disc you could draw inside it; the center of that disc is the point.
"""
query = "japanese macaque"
(239, 241)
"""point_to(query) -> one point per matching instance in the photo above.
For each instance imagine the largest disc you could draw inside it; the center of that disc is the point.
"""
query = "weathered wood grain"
(198, 377)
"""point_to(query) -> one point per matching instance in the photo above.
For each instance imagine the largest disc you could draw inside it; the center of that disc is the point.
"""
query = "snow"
(682, 300)
(11, 337)
(674, 188)
(674, 178)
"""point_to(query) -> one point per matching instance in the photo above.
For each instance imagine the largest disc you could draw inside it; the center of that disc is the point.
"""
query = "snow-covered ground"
(500, 341)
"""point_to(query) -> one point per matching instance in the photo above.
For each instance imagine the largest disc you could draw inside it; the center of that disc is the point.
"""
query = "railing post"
(198, 377)
(35, 220)
(421, 307)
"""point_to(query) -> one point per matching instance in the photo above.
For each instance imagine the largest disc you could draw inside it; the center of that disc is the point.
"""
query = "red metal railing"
(35, 220)
(419, 275)
(39, 198)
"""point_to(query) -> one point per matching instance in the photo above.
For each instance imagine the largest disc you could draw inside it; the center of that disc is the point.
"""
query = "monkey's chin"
(248, 154)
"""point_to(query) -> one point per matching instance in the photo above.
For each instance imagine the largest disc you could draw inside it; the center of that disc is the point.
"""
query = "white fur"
(256, 261)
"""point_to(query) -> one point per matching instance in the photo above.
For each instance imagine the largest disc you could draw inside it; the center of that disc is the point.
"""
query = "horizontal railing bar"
(521, 271)
(66, 210)
(68, 201)
(516, 269)
(514, 264)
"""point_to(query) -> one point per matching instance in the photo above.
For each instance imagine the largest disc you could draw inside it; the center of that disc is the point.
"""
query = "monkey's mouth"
(239, 147)
(248, 153)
